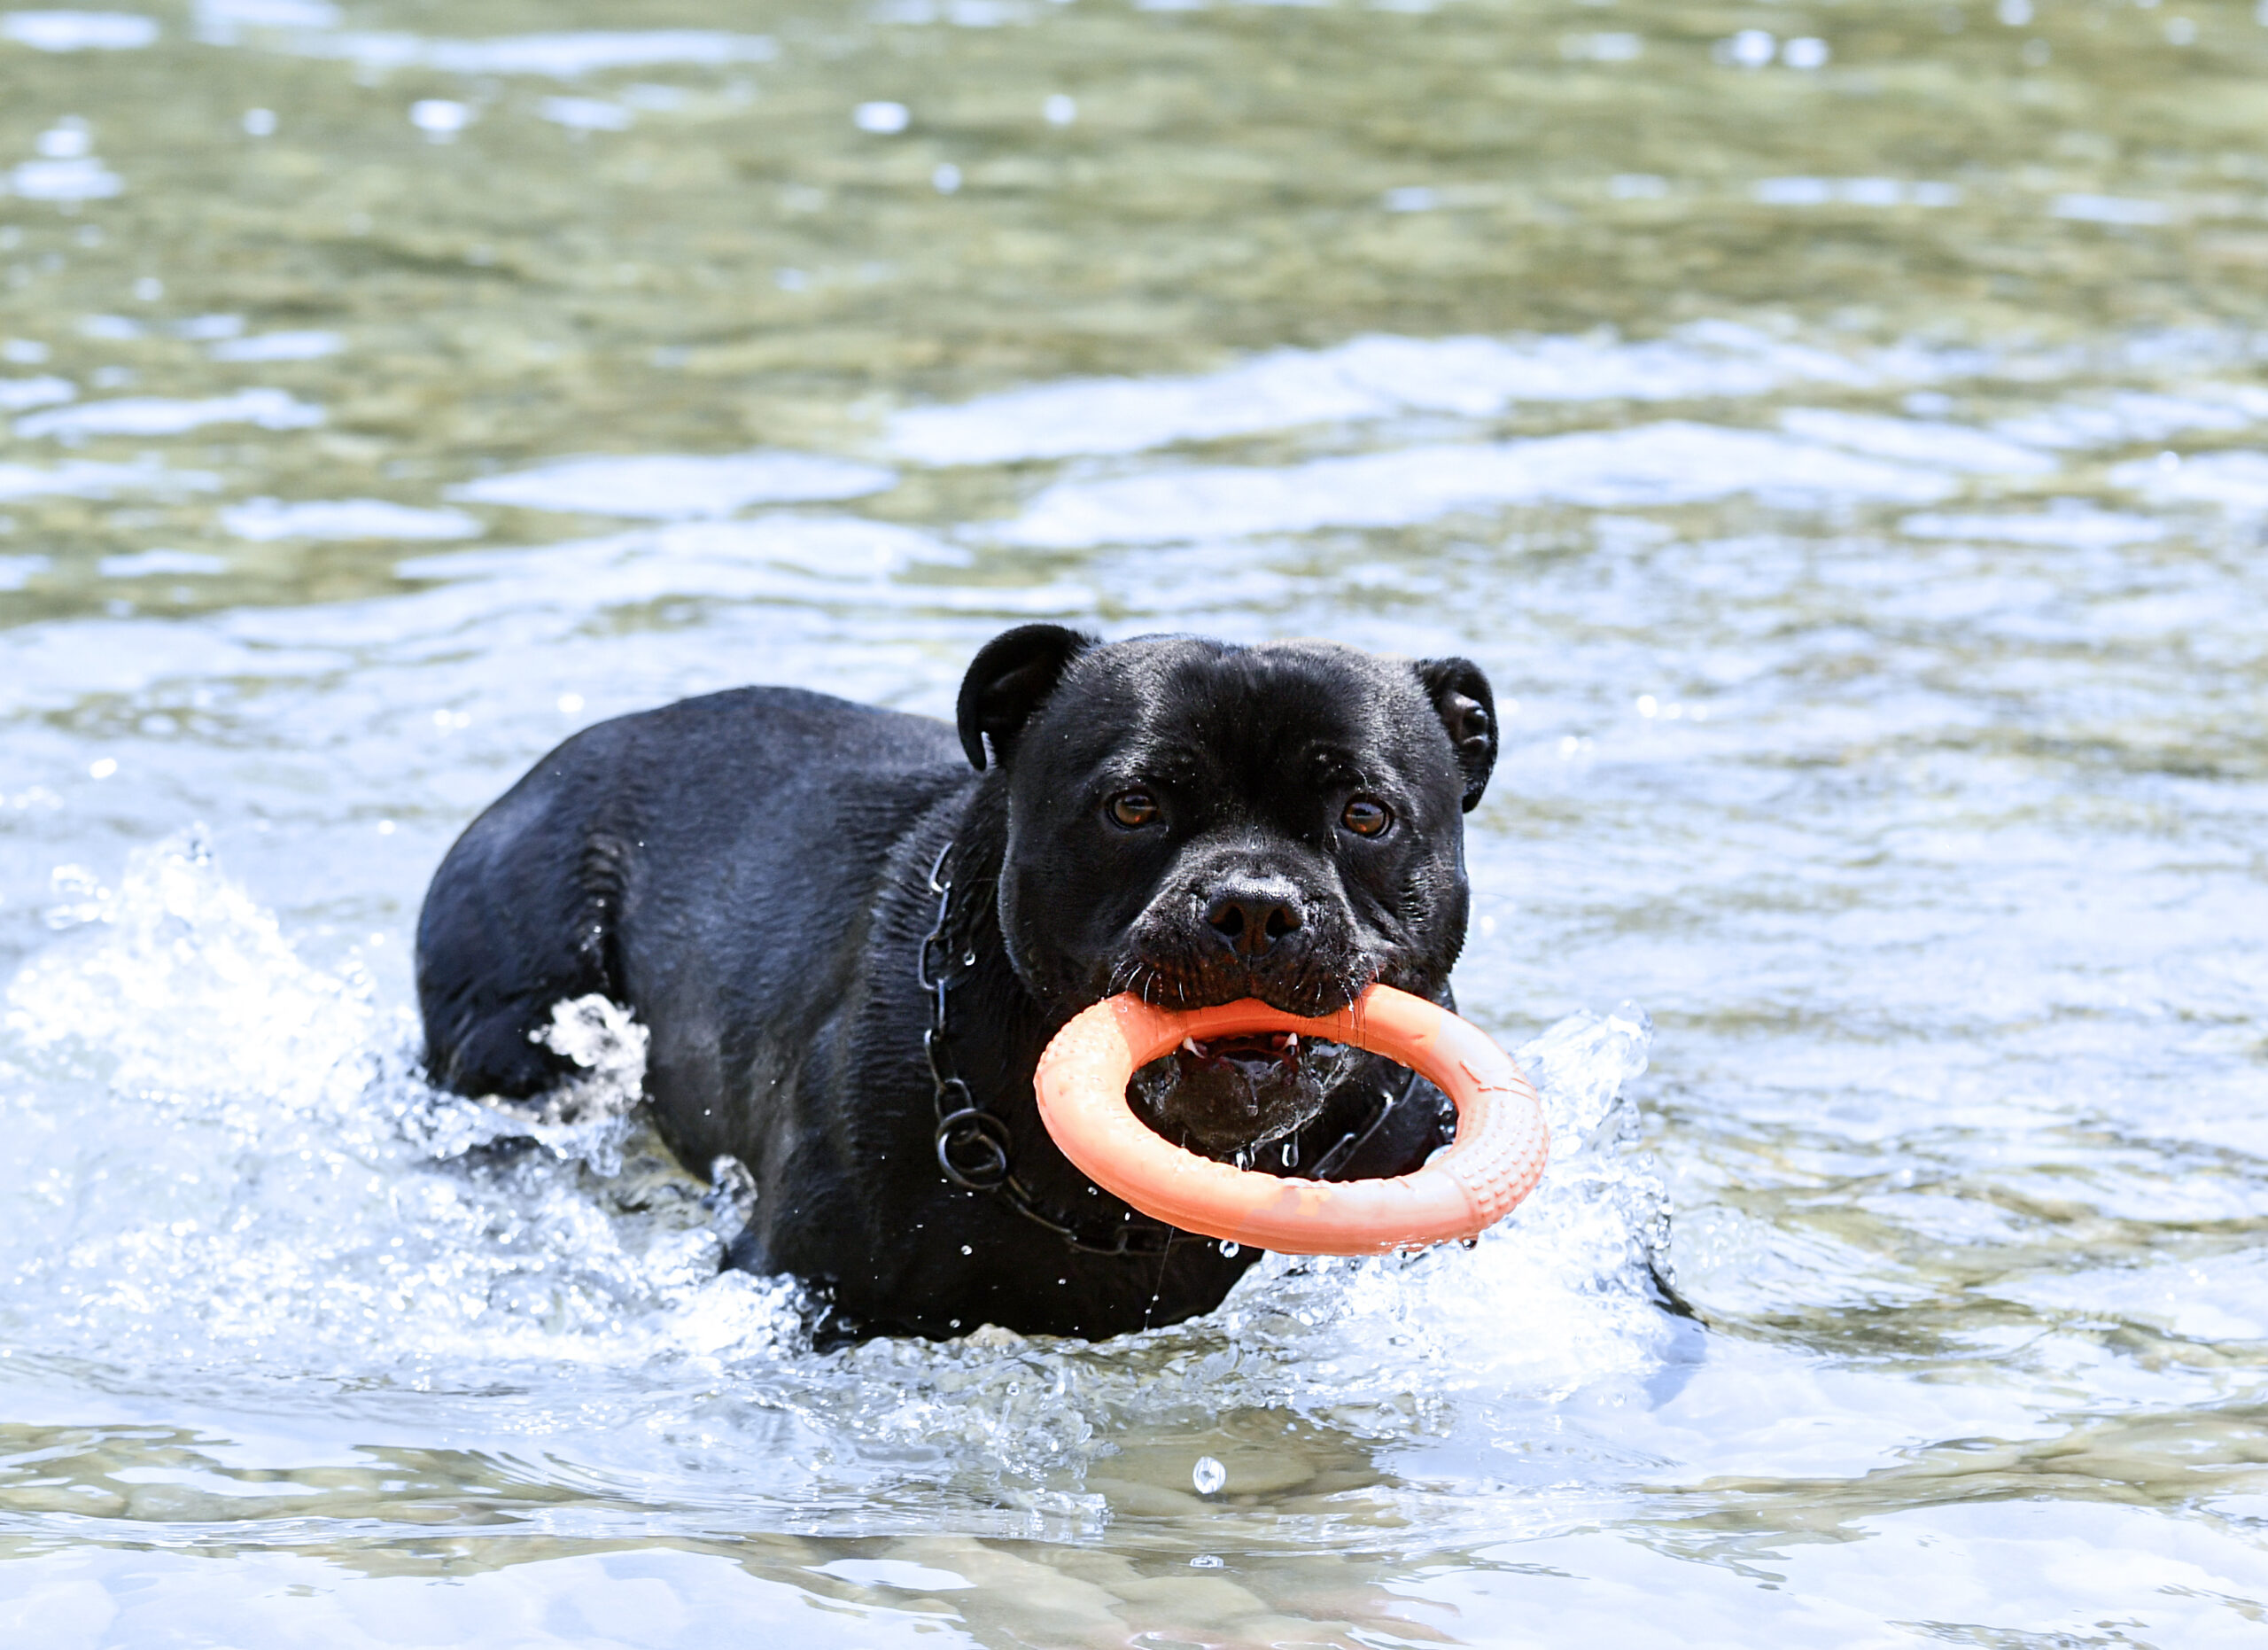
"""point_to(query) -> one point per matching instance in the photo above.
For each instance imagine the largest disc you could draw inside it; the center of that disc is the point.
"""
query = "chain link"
(973, 1145)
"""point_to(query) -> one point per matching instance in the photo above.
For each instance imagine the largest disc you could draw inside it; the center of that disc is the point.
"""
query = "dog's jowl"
(850, 932)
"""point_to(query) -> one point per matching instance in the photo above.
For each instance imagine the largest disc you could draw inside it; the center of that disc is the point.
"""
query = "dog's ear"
(1009, 680)
(1468, 709)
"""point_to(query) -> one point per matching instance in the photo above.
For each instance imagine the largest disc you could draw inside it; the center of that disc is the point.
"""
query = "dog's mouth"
(1251, 1055)
(1227, 1097)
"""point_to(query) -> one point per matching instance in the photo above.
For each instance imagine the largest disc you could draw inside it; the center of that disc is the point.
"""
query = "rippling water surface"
(1840, 431)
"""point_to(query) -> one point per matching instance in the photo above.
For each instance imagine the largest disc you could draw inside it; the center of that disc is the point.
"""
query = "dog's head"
(1198, 822)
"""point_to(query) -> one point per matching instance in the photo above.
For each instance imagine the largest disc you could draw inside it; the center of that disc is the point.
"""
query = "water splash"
(233, 1165)
(233, 1160)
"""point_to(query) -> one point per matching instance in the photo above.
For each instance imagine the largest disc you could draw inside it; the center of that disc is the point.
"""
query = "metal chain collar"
(972, 1144)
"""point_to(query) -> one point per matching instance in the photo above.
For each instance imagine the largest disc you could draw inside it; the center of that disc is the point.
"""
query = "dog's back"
(684, 822)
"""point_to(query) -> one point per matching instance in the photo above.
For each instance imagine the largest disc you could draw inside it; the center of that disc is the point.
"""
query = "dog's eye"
(1134, 809)
(1366, 816)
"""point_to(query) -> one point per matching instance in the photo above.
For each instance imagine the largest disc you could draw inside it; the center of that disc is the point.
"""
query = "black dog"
(849, 949)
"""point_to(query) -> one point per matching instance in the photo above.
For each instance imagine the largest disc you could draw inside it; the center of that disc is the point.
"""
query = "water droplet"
(967, 1250)
(1209, 1475)
(1230, 1247)
(968, 959)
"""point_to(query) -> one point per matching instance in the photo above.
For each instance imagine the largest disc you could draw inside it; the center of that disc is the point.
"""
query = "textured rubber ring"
(1502, 1143)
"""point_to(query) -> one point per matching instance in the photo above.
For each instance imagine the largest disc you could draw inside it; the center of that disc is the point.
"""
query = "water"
(1839, 431)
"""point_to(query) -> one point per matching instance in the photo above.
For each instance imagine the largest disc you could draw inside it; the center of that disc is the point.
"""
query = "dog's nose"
(1252, 919)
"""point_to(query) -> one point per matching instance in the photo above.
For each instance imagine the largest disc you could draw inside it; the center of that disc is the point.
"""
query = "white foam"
(78, 31)
(564, 56)
(586, 115)
(2123, 209)
(2133, 416)
(266, 519)
(959, 13)
(1370, 378)
(1658, 463)
(20, 394)
(671, 487)
(155, 415)
(78, 480)
(2078, 526)
(720, 559)
(135, 987)
(1856, 192)
(1912, 441)
(16, 571)
(212, 1041)
(82, 177)
(303, 345)
(2236, 481)
(146, 564)
(207, 328)
(221, 19)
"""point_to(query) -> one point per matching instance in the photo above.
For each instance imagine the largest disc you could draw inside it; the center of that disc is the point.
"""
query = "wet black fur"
(747, 871)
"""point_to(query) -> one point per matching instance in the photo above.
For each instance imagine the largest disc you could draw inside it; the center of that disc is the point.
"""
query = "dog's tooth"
(1191, 1046)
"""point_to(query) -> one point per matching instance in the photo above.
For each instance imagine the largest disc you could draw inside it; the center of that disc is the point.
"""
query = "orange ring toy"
(1501, 1147)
